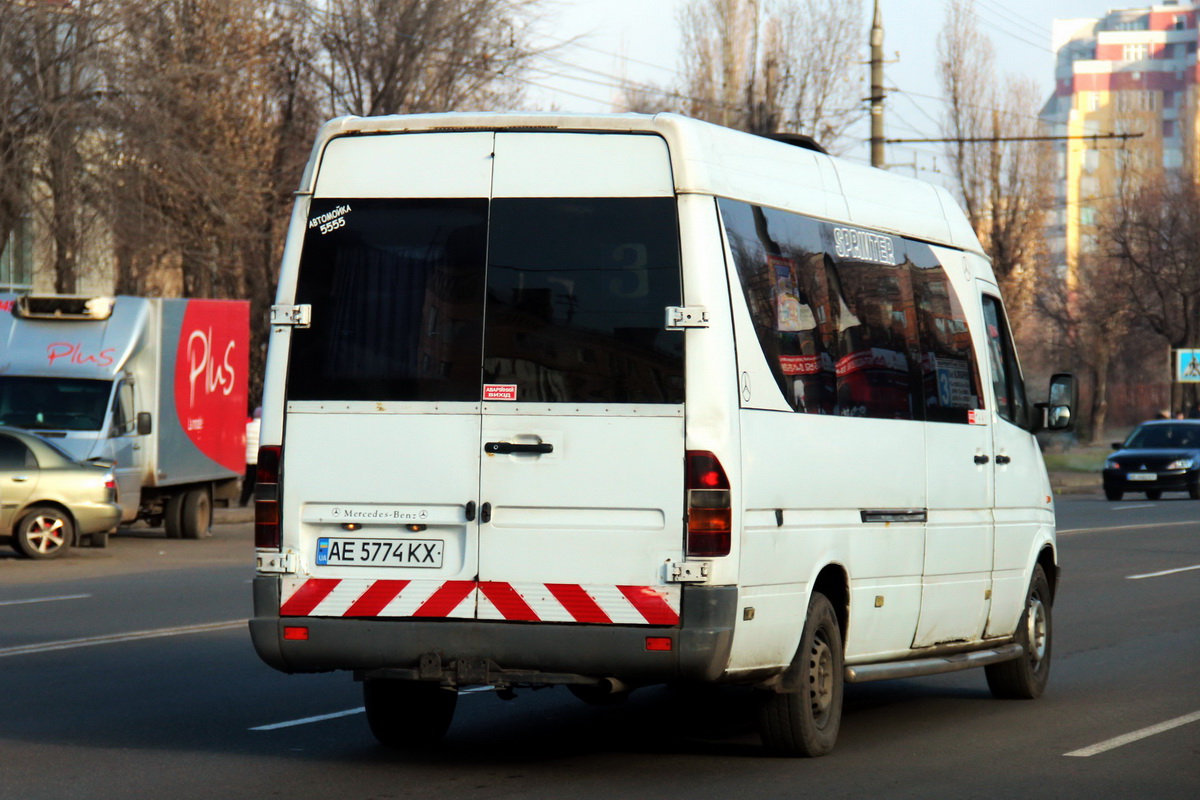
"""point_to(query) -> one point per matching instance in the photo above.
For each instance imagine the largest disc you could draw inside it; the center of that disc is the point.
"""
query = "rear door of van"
(485, 417)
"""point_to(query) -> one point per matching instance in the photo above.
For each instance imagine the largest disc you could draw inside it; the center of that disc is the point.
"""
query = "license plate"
(1142, 476)
(339, 552)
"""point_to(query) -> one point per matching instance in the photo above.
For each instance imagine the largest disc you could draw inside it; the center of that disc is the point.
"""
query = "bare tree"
(412, 56)
(1003, 183)
(770, 66)
(1150, 234)
(50, 86)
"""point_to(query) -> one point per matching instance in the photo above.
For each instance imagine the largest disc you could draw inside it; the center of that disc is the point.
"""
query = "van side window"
(853, 322)
(396, 288)
(1007, 384)
(577, 290)
(949, 372)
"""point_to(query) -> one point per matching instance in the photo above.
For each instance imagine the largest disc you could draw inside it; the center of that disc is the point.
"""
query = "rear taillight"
(266, 497)
(109, 481)
(710, 519)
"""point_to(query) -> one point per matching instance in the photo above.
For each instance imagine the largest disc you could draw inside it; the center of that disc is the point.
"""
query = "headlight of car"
(1182, 463)
(1112, 464)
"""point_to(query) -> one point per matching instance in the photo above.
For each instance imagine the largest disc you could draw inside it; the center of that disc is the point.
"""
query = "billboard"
(1187, 366)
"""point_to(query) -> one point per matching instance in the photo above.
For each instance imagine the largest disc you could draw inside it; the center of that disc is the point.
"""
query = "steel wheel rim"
(46, 534)
(1036, 631)
(820, 678)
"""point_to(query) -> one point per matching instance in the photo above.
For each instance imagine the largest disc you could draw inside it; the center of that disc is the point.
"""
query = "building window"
(1172, 158)
(1168, 129)
(1087, 215)
(1091, 160)
(1168, 98)
(1135, 52)
(1093, 101)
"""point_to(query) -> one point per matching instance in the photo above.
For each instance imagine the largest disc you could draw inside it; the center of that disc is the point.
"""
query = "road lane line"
(1069, 531)
(90, 641)
(1131, 508)
(1160, 574)
(319, 718)
(1129, 738)
(43, 599)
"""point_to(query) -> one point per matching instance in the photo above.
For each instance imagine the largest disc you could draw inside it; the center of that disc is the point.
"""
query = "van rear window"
(573, 291)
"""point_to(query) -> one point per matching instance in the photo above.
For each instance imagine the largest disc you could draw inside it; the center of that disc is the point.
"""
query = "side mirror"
(144, 426)
(1056, 412)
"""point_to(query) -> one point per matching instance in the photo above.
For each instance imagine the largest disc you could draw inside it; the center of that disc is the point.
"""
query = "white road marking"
(274, 726)
(320, 718)
(1070, 531)
(1160, 574)
(1131, 508)
(89, 641)
(1129, 738)
(43, 599)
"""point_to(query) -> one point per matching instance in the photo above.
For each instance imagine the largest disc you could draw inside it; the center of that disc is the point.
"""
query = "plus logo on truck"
(211, 368)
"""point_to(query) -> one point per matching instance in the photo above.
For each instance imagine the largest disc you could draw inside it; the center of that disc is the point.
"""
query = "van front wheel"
(408, 713)
(1025, 678)
(806, 722)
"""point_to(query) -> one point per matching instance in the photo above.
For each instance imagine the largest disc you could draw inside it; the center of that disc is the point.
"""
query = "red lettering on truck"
(74, 354)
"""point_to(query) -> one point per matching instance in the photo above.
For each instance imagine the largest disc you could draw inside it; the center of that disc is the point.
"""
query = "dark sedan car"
(1160, 456)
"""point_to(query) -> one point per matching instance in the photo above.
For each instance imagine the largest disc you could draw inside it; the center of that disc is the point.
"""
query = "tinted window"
(1165, 437)
(853, 322)
(1007, 384)
(577, 291)
(949, 374)
(72, 404)
(396, 288)
(14, 454)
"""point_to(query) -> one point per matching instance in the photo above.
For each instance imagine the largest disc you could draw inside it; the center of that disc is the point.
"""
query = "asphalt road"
(128, 673)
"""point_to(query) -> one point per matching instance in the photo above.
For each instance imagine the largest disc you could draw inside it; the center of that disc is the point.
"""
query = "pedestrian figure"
(252, 428)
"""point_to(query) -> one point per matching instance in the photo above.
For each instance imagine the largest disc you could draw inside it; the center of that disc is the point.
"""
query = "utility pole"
(877, 93)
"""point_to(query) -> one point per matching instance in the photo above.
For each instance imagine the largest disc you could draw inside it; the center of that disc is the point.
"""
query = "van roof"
(711, 159)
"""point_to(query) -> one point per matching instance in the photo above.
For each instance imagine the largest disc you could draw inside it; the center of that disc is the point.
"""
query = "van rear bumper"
(537, 652)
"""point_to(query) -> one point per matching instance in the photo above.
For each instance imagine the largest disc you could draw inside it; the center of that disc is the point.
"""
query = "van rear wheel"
(1025, 678)
(408, 713)
(806, 722)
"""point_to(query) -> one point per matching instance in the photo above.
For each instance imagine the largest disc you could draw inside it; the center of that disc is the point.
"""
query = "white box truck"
(156, 386)
(606, 401)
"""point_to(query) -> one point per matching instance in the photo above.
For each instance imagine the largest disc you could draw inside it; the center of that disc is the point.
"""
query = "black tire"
(43, 532)
(1194, 490)
(196, 515)
(173, 516)
(806, 723)
(1025, 678)
(1153, 494)
(1113, 494)
(408, 714)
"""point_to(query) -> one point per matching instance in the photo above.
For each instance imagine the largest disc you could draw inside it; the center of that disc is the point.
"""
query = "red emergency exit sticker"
(500, 391)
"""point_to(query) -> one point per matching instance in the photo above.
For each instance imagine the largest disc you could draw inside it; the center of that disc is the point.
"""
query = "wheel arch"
(834, 582)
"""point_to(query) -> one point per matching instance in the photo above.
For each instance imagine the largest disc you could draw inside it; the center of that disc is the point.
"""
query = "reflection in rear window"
(396, 288)
(574, 292)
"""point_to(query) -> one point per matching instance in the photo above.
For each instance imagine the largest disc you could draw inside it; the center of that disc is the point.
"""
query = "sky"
(639, 40)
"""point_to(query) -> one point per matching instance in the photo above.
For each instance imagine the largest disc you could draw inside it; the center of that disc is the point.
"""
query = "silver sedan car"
(49, 501)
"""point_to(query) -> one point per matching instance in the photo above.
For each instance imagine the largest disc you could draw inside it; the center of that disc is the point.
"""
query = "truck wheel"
(806, 722)
(408, 713)
(44, 532)
(196, 515)
(1025, 678)
(173, 516)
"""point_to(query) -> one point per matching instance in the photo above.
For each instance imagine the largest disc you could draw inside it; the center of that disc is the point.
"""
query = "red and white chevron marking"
(495, 600)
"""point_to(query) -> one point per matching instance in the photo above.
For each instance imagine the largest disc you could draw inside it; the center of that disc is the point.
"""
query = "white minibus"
(610, 401)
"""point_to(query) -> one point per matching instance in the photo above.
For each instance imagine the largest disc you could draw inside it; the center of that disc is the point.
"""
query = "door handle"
(470, 511)
(1003, 460)
(982, 459)
(485, 512)
(20, 478)
(504, 448)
